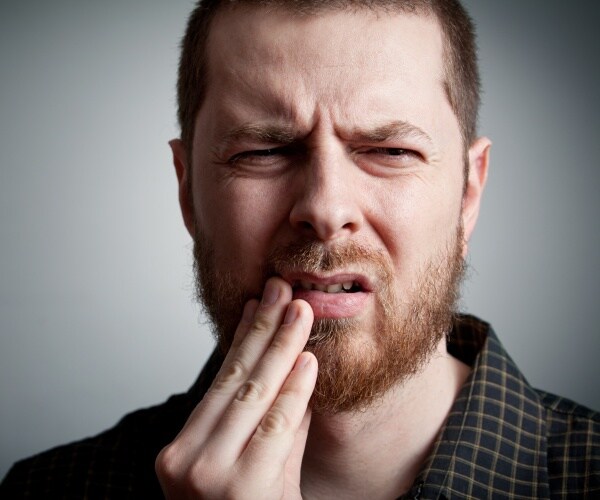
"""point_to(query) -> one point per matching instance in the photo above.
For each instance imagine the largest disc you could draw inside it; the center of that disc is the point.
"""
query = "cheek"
(240, 218)
(420, 219)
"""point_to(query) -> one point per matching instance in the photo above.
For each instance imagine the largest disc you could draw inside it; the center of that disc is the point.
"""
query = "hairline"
(423, 9)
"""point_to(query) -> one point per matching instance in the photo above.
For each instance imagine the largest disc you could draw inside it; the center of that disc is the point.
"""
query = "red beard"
(353, 372)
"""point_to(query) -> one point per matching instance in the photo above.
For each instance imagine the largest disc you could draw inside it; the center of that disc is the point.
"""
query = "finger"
(254, 334)
(244, 325)
(258, 324)
(256, 396)
(281, 436)
(294, 464)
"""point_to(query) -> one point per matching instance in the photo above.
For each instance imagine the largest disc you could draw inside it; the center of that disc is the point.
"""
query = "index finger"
(254, 334)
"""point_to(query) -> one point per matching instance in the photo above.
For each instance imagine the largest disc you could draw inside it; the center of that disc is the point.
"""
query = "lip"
(332, 305)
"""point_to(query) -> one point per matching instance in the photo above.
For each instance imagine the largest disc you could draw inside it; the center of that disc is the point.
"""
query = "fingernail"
(302, 361)
(271, 294)
(291, 314)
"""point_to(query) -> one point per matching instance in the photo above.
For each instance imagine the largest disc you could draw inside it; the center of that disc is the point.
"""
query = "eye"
(391, 155)
(259, 156)
(386, 160)
(394, 152)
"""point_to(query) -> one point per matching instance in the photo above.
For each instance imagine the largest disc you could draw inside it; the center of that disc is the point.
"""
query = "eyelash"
(400, 155)
(265, 154)
(388, 151)
(261, 153)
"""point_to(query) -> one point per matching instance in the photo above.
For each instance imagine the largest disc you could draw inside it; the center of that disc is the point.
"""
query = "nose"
(327, 199)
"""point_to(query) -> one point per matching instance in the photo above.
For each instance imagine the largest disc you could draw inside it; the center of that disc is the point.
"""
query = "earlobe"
(479, 157)
(183, 180)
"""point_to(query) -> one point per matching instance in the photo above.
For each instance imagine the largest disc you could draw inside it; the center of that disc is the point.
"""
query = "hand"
(246, 438)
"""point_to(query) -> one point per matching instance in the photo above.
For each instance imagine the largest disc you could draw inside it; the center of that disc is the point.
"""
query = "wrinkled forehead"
(358, 68)
(248, 33)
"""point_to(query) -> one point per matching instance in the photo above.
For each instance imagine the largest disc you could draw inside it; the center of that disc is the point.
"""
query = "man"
(330, 175)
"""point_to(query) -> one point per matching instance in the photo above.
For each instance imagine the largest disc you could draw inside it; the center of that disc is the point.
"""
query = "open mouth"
(341, 295)
(345, 287)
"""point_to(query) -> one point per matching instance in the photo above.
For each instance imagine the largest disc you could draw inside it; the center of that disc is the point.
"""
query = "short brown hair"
(461, 82)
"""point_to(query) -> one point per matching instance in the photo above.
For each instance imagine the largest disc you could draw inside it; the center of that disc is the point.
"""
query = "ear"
(183, 180)
(479, 157)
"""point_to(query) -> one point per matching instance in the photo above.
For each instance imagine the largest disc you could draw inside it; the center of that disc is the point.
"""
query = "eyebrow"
(283, 135)
(393, 130)
(276, 135)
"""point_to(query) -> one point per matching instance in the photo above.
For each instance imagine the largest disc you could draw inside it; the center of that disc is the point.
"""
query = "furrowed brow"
(393, 130)
(275, 135)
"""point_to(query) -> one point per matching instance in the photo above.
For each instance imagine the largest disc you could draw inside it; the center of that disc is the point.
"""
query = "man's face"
(326, 152)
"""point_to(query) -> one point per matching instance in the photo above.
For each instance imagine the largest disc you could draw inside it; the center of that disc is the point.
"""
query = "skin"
(333, 83)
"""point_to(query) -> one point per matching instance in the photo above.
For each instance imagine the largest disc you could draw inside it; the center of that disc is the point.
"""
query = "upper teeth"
(335, 288)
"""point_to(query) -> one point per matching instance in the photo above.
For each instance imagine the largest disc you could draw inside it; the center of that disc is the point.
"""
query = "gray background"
(96, 310)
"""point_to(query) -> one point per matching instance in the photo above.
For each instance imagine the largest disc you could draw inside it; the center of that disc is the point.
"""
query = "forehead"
(328, 37)
(343, 60)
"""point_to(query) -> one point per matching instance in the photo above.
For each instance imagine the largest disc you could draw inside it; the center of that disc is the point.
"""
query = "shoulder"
(118, 462)
(573, 440)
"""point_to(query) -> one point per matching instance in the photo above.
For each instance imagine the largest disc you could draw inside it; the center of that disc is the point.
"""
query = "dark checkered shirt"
(502, 439)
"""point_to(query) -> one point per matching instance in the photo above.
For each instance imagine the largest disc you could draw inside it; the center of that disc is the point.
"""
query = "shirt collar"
(493, 442)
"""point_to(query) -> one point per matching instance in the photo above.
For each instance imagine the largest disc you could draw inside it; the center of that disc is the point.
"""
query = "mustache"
(314, 257)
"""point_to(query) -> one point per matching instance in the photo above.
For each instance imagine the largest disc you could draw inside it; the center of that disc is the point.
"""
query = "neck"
(378, 453)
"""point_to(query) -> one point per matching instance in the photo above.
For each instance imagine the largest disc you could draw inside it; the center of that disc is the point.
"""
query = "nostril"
(307, 226)
(325, 221)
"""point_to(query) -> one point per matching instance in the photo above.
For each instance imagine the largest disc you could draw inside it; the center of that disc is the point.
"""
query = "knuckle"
(292, 391)
(262, 325)
(203, 478)
(251, 391)
(231, 374)
(274, 422)
(167, 463)
(280, 344)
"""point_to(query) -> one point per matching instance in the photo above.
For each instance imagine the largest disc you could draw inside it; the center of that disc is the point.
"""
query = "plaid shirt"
(502, 439)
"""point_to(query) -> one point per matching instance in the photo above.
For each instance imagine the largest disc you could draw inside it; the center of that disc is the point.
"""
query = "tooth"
(347, 286)
(321, 288)
(307, 285)
(334, 288)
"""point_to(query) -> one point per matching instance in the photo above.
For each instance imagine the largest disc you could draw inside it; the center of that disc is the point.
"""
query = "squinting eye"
(392, 151)
(263, 152)
(260, 153)
(395, 154)
(387, 160)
